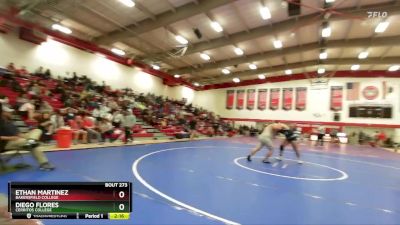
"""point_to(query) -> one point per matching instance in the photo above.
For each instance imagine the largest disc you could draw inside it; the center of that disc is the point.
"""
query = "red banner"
(262, 99)
(230, 98)
(301, 98)
(251, 98)
(274, 98)
(239, 99)
(336, 98)
(287, 95)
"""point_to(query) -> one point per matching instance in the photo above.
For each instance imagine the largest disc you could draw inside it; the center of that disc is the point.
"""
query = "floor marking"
(313, 196)
(169, 198)
(343, 177)
(275, 164)
(385, 210)
(352, 160)
(350, 204)
(284, 166)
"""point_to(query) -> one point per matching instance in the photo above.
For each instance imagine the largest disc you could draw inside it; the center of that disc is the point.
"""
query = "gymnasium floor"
(209, 182)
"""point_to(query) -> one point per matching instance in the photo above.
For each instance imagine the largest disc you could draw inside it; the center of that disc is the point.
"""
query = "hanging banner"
(251, 98)
(262, 99)
(287, 96)
(230, 97)
(240, 99)
(274, 98)
(336, 98)
(301, 98)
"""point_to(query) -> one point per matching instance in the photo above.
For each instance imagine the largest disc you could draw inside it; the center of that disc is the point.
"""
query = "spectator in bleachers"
(39, 71)
(11, 139)
(23, 72)
(47, 74)
(27, 110)
(5, 101)
(77, 130)
(71, 113)
(10, 67)
(105, 128)
(57, 120)
(128, 121)
(89, 126)
(193, 128)
(46, 126)
(45, 107)
(117, 118)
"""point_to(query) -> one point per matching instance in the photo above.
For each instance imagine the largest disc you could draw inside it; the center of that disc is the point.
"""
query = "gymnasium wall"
(62, 60)
(317, 103)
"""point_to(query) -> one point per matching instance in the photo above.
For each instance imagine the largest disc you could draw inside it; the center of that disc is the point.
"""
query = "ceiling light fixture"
(321, 70)
(118, 51)
(236, 80)
(177, 75)
(381, 27)
(61, 28)
(278, 44)
(155, 67)
(226, 71)
(128, 3)
(253, 66)
(238, 51)
(326, 30)
(181, 39)
(261, 77)
(205, 56)
(265, 13)
(288, 72)
(196, 84)
(394, 68)
(216, 26)
(363, 55)
(323, 54)
(355, 67)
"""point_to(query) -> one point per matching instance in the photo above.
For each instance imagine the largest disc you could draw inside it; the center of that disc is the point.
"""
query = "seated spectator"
(105, 128)
(46, 126)
(90, 127)
(11, 139)
(10, 67)
(5, 101)
(27, 110)
(23, 72)
(45, 107)
(70, 114)
(47, 74)
(57, 120)
(77, 130)
(39, 71)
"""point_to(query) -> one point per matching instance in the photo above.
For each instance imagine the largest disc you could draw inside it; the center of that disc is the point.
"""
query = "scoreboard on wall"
(70, 200)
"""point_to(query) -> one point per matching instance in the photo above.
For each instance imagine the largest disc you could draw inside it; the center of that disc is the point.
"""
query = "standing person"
(11, 139)
(265, 139)
(128, 121)
(291, 136)
(192, 127)
(321, 134)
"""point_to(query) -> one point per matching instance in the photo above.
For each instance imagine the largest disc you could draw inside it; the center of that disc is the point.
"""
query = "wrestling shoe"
(46, 167)
(249, 158)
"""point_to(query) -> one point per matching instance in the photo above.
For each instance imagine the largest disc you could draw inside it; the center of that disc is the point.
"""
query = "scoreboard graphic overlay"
(70, 200)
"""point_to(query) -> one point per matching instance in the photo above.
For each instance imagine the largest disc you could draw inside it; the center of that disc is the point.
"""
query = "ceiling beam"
(162, 19)
(360, 42)
(272, 29)
(280, 68)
